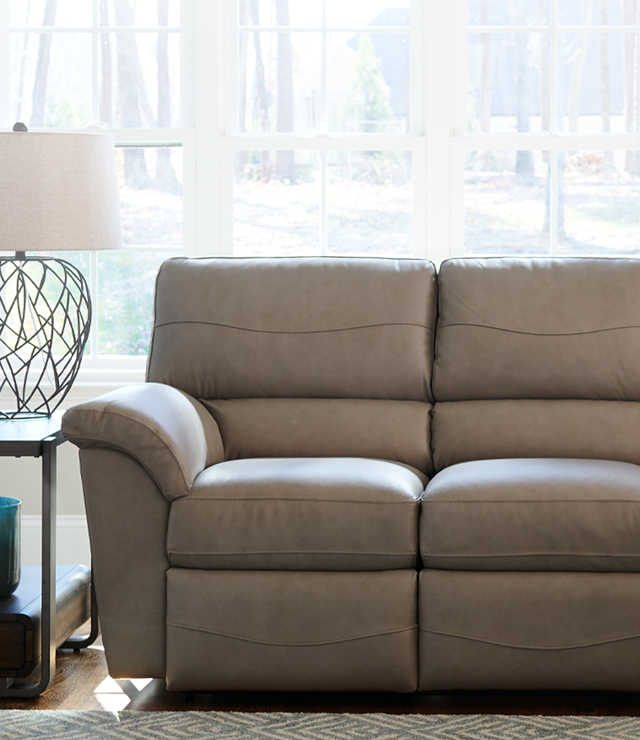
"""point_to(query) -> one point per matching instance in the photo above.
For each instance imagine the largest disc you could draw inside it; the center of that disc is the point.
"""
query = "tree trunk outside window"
(42, 67)
(129, 103)
(165, 175)
(284, 160)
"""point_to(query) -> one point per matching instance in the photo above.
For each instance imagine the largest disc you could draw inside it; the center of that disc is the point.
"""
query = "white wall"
(21, 477)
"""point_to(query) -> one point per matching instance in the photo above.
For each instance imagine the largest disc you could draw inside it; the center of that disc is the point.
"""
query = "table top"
(25, 436)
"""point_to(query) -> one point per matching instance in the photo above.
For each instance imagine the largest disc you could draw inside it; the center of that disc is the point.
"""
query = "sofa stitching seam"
(290, 552)
(320, 643)
(293, 331)
(486, 641)
(533, 332)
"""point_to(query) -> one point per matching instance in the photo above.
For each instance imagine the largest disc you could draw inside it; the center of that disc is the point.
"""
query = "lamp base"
(45, 317)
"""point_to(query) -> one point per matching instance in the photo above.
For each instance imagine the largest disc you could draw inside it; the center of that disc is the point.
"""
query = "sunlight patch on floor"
(114, 695)
(111, 696)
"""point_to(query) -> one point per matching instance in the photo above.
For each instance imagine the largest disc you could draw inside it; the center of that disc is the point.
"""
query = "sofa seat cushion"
(298, 514)
(533, 514)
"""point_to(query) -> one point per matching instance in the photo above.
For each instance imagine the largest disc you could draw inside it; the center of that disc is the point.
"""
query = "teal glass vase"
(9, 545)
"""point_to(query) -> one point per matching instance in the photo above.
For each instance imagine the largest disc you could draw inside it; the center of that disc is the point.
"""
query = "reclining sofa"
(360, 475)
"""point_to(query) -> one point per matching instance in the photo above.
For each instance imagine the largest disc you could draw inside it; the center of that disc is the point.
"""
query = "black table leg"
(48, 622)
(78, 642)
(48, 556)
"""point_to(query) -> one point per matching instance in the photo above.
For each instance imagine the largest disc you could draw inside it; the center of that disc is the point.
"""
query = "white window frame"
(217, 143)
(98, 370)
(460, 143)
(437, 136)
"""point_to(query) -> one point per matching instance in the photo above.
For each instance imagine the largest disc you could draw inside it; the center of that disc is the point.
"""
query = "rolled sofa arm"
(169, 433)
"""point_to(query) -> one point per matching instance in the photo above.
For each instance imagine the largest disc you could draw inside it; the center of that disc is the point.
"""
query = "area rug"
(127, 725)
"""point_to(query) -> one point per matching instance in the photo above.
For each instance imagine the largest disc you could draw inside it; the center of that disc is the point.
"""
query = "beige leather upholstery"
(170, 434)
(534, 631)
(533, 514)
(275, 631)
(479, 430)
(538, 329)
(298, 514)
(310, 327)
(127, 517)
(325, 427)
(261, 523)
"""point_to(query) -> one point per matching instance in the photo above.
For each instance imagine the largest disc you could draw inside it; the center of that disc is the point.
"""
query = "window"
(336, 127)
(323, 131)
(550, 162)
(115, 64)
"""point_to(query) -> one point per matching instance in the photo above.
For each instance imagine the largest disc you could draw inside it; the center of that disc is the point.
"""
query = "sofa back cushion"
(325, 427)
(537, 358)
(481, 430)
(540, 328)
(303, 327)
(302, 357)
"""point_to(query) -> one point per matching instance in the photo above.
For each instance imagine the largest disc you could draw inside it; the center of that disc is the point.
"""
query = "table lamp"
(58, 192)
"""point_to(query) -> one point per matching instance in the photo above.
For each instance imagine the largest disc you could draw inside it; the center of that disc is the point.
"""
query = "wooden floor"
(82, 682)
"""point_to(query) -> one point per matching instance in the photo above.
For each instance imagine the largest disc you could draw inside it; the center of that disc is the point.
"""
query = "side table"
(41, 438)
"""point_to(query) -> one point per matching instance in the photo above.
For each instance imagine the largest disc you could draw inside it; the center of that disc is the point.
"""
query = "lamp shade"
(58, 191)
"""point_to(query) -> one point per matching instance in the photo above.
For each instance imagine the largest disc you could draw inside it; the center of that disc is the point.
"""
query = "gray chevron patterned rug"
(126, 725)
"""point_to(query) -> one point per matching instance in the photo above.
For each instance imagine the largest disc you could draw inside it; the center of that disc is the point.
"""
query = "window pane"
(603, 12)
(368, 82)
(304, 13)
(50, 13)
(51, 79)
(80, 260)
(276, 203)
(139, 79)
(80, 12)
(514, 12)
(598, 196)
(597, 83)
(126, 284)
(508, 77)
(140, 12)
(365, 13)
(151, 195)
(279, 78)
(369, 202)
(505, 199)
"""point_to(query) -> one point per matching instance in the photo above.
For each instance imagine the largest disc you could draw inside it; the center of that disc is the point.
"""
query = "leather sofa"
(257, 510)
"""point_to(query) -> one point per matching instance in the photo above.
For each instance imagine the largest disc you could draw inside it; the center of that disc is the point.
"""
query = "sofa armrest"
(171, 434)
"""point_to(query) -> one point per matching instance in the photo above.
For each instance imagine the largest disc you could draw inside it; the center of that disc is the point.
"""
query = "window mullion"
(347, 142)
(417, 93)
(324, 214)
(324, 127)
(553, 201)
(554, 122)
(214, 34)
(555, 128)
(95, 301)
(4, 65)
(441, 59)
(149, 137)
(324, 107)
(95, 68)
